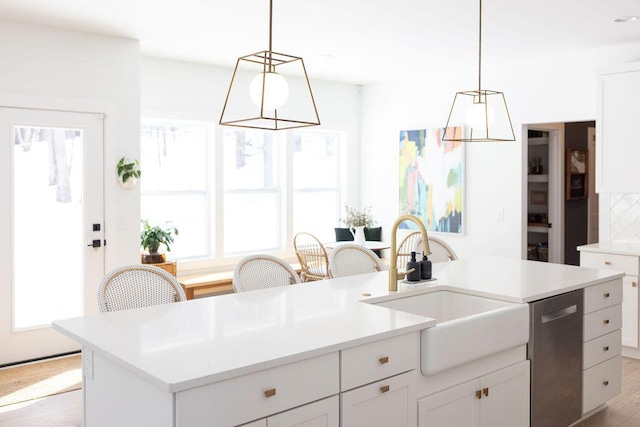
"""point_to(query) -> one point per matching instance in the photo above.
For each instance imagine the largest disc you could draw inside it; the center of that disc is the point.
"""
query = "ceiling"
(353, 41)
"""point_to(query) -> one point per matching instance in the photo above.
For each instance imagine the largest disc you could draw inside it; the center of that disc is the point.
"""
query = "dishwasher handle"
(560, 313)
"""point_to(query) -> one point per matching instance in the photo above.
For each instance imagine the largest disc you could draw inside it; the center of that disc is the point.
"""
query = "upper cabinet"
(617, 134)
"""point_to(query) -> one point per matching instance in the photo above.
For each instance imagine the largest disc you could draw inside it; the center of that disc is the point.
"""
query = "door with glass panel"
(52, 250)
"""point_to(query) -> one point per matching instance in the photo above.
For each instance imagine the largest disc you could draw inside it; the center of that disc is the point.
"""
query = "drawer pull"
(606, 348)
(607, 295)
(479, 394)
(634, 284)
(607, 263)
(384, 389)
(384, 360)
(605, 383)
(270, 392)
(605, 321)
(486, 392)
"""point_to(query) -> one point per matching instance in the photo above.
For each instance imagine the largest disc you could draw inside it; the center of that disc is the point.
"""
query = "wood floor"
(65, 410)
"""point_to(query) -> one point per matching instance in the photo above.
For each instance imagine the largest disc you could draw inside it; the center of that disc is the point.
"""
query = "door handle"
(96, 243)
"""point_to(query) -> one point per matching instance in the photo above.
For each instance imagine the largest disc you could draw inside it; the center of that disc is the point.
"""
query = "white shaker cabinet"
(323, 413)
(497, 399)
(630, 265)
(618, 113)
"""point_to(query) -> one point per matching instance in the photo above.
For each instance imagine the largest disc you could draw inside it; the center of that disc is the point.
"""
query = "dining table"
(369, 244)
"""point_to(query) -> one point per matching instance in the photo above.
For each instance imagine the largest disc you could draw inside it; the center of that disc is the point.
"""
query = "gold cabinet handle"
(384, 389)
(605, 383)
(605, 321)
(270, 392)
(607, 263)
(485, 391)
(479, 394)
(607, 295)
(605, 348)
(384, 360)
(634, 284)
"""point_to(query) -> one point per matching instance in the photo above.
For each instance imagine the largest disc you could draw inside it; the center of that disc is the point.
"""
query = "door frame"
(105, 111)
(556, 188)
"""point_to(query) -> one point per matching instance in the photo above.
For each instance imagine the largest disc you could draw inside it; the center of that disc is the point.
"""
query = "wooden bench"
(212, 283)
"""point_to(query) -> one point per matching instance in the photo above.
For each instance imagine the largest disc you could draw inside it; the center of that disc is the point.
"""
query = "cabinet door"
(258, 423)
(457, 406)
(324, 413)
(505, 397)
(618, 112)
(630, 311)
(386, 403)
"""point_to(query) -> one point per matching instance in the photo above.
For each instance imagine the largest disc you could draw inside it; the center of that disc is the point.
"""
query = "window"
(174, 183)
(269, 185)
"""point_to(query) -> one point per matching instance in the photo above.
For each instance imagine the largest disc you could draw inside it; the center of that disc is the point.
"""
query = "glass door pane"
(47, 209)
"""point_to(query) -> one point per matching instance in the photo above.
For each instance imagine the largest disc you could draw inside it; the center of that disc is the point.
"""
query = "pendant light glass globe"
(476, 118)
(276, 90)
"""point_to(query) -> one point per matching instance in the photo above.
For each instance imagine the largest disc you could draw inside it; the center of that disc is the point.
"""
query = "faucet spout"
(394, 276)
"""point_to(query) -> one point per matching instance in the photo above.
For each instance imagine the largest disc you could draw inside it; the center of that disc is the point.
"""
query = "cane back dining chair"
(262, 271)
(138, 285)
(312, 256)
(440, 250)
(350, 259)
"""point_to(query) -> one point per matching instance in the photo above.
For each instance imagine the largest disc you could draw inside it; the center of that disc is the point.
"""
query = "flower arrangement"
(357, 218)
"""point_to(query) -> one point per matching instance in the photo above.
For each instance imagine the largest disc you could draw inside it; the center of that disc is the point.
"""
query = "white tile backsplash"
(624, 217)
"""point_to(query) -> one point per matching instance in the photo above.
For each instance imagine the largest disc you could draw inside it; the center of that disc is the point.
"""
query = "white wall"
(57, 69)
(538, 90)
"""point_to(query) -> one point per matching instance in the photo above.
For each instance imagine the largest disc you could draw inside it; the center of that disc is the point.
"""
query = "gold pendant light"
(484, 111)
(260, 97)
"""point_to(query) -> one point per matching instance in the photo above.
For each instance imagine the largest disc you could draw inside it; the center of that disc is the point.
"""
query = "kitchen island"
(327, 351)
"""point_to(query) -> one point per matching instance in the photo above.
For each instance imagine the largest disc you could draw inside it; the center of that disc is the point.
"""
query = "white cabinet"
(602, 368)
(378, 383)
(497, 399)
(257, 395)
(618, 112)
(630, 265)
(387, 403)
(323, 413)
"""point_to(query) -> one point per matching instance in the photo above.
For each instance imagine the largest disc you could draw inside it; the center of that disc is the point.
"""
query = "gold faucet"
(394, 276)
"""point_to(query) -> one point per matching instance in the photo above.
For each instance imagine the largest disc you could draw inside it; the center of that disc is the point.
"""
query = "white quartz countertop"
(188, 344)
(612, 248)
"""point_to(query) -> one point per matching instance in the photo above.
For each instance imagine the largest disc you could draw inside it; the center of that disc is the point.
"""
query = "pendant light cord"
(479, 48)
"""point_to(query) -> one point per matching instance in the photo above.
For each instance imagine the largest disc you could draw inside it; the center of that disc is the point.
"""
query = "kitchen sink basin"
(469, 327)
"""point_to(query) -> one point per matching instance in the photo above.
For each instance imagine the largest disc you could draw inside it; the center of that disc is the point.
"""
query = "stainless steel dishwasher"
(555, 352)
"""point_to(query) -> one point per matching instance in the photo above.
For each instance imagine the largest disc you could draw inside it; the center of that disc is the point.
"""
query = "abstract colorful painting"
(431, 178)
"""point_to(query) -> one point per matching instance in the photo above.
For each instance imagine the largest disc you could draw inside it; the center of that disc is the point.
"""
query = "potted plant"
(357, 220)
(152, 237)
(128, 173)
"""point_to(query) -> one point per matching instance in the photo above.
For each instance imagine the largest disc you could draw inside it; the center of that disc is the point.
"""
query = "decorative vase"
(129, 184)
(358, 235)
(153, 258)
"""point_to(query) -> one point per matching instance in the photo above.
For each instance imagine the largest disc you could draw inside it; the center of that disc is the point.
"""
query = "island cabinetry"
(323, 413)
(378, 382)
(618, 95)
(629, 264)
(257, 395)
(497, 399)
(602, 369)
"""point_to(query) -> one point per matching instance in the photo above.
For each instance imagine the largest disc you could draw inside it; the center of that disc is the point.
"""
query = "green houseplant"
(128, 172)
(152, 237)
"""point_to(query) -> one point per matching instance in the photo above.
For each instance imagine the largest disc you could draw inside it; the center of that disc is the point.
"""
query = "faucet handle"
(401, 275)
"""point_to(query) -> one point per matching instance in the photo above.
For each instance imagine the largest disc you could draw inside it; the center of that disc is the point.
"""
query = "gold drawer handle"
(606, 295)
(606, 348)
(479, 394)
(605, 383)
(270, 392)
(384, 360)
(606, 321)
(634, 284)
(384, 389)
(486, 392)
(607, 263)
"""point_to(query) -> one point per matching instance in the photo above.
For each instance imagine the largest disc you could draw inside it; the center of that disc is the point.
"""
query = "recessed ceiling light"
(624, 19)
